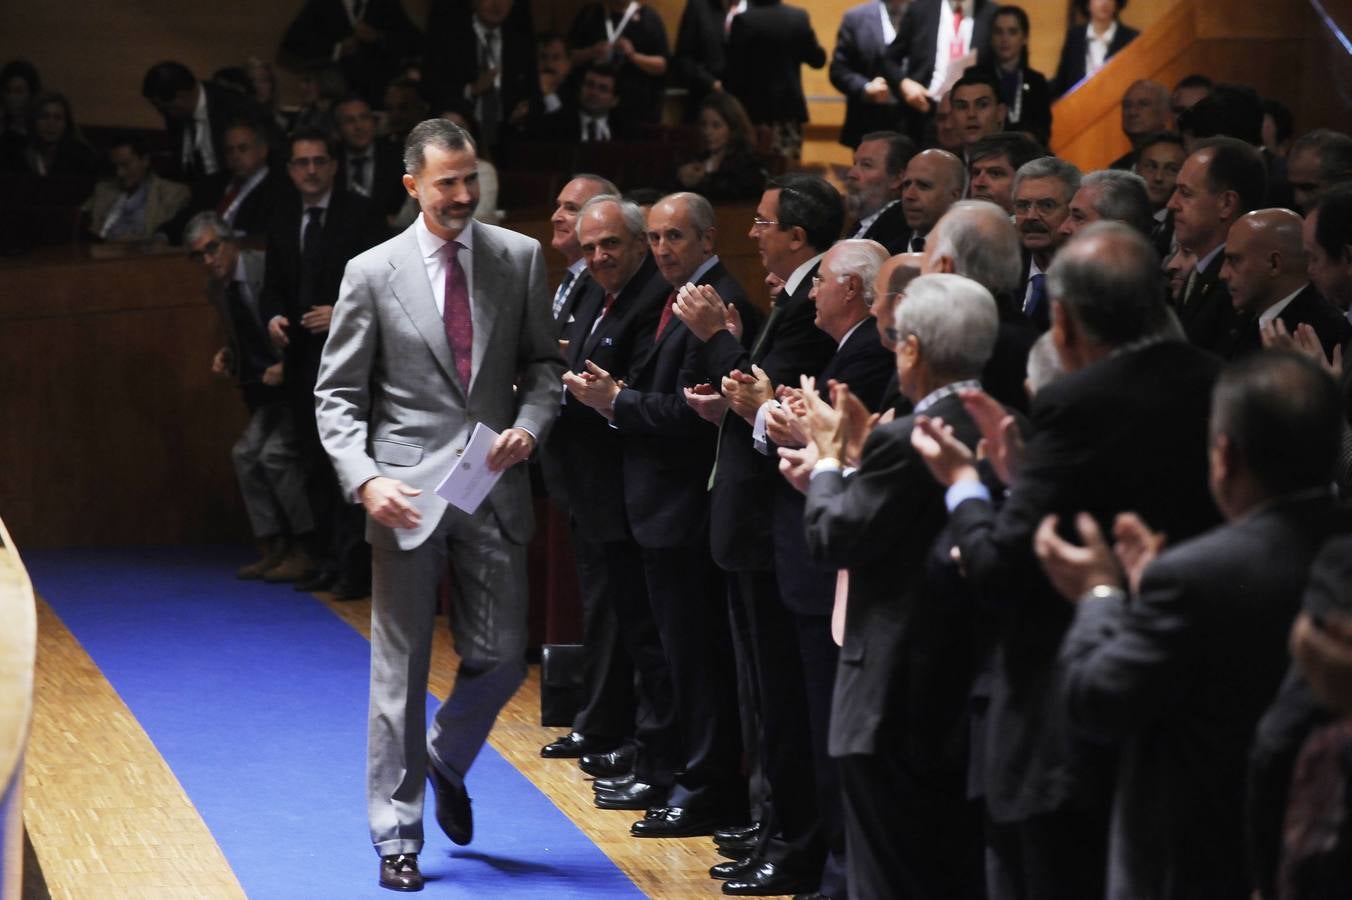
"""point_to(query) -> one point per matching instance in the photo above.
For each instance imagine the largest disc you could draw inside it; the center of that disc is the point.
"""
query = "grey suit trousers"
(271, 475)
(488, 625)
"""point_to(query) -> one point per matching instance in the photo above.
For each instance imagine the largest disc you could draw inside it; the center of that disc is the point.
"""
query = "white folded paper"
(469, 481)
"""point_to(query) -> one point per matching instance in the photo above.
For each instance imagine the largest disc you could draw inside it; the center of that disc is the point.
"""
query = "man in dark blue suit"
(857, 68)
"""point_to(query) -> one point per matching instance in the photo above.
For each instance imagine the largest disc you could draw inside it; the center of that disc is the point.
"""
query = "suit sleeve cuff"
(963, 491)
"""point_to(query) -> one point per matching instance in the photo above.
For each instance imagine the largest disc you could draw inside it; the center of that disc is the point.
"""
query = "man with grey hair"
(266, 457)
(450, 316)
(1111, 195)
(906, 634)
(1125, 429)
(1318, 160)
(1145, 111)
(1042, 192)
(873, 188)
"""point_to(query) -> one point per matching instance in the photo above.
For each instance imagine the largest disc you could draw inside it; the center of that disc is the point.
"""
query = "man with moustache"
(667, 453)
(1042, 192)
(447, 318)
(873, 188)
(992, 162)
(934, 181)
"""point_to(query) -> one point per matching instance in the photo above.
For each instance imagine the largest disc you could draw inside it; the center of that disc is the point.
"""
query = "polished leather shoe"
(453, 809)
(733, 869)
(739, 848)
(767, 880)
(607, 765)
(675, 822)
(572, 745)
(400, 872)
(639, 795)
(813, 896)
(737, 833)
(610, 785)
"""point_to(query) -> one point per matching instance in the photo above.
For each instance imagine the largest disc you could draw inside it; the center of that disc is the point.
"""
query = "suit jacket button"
(459, 451)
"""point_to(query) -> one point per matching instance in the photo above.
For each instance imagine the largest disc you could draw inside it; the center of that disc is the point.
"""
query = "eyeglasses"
(210, 249)
(1046, 206)
(758, 223)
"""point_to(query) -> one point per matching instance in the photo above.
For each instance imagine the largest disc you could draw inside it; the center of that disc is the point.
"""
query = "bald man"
(934, 181)
(1264, 269)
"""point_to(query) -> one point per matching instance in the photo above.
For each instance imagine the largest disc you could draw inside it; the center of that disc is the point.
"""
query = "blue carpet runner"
(255, 695)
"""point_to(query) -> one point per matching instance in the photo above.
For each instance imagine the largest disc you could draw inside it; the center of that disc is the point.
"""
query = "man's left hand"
(702, 310)
(747, 393)
(1075, 571)
(594, 388)
(512, 446)
(316, 319)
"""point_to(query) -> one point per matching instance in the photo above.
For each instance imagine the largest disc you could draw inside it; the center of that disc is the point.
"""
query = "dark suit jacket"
(251, 350)
(1035, 106)
(787, 346)
(350, 227)
(910, 648)
(767, 47)
(310, 38)
(911, 55)
(857, 60)
(1005, 372)
(224, 108)
(890, 230)
(583, 452)
(807, 587)
(1208, 316)
(739, 178)
(576, 290)
(1180, 677)
(668, 449)
(564, 125)
(257, 209)
(701, 52)
(1070, 70)
(387, 179)
(1129, 432)
(1308, 308)
(451, 59)
(640, 93)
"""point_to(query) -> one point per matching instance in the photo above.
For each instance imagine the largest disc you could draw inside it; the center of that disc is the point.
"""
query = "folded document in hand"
(470, 480)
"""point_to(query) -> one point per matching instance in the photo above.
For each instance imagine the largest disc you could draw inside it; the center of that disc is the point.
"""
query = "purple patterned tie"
(455, 314)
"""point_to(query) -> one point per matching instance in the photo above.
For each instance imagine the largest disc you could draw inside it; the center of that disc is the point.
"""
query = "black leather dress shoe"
(733, 869)
(572, 745)
(400, 872)
(767, 880)
(813, 896)
(675, 822)
(453, 810)
(639, 795)
(601, 785)
(609, 764)
(737, 833)
(738, 848)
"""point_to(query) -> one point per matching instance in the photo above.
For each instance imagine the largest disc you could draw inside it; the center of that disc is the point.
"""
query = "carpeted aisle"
(255, 695)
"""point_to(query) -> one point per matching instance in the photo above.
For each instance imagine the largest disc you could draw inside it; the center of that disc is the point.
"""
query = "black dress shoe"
(738, 848)
(453, 810)
(400, 872)
(639, 795)
(675, 822)
(733, 869)
(813, 896)
(572, 745)
(609, 764)
(609, 785)
(321, 580)
(737, 833)
(767, 880)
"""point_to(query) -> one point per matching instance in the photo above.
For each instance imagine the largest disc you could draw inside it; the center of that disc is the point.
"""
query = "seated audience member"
(319, 88)
(196, 115)
(1042, 192)
(1145, 112)
(767, 47)
(726, 170)
(19, 84)
(1177, 657)
(873, 189)
(1087, 47)
(700, 59)
(366, 39)
(552, 68)
(1265, 272)
(977, 106)
(899, 717)
(1024, 92)
(858, 68)
(136, 204)
(367, 165)
(1279, 127)
(592, 116)
(992, 162)
(405, 107)
(266, 456)
(1187, 92)
(54, 144)
(1220, 181)
(934, 181)
(944, 132)
(1113, 195)
(1327, 240)
(1318, 160)
(247, 190)
(630, 38)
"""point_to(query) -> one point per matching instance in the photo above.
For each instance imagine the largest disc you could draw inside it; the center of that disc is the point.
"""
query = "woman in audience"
(55, 146)
(726, 169)
(1088, 47)
(21, 83)
(1025, 92)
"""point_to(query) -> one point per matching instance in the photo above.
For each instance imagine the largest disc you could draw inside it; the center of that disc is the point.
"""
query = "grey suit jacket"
(388, 399)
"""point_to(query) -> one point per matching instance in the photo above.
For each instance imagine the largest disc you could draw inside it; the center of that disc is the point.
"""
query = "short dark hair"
(311, 133)
(1281, 118)
(1333, 228)
(164, 80)
(810, 202)
(900, 149)
(1083, 6)
(22, 68)
(437, 133)
(1159, 137)
(1284, 416)
(1334, 150)
(606, 70)
(1232, 110)
(132, 140)
(1015, 146)
(251, 124)
(1236, 166)
(1195, 80)
(978, 75)
(1022, 17)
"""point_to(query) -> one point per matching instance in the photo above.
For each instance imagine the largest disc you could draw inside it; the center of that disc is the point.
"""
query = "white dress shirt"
(197, 137)
(1277, 308)
(943, 44)
(1096, 47)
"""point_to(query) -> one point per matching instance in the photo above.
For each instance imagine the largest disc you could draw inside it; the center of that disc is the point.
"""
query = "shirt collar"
(853, 328)
(321, 203)
(577, 267)
(703, 269)
(430, 244)
(949, 389)
(1207, 260)
(199, 112)
(791, 283)
(1108, 35)
(1278, 308)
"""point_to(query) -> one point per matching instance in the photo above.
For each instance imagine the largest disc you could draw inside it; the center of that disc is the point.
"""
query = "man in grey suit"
(438, 329)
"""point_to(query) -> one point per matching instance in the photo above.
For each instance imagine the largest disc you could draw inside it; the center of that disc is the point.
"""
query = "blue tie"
(561, 294)
(1035, 295)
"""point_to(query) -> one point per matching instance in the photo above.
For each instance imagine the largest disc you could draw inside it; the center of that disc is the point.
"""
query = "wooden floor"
(108, 818)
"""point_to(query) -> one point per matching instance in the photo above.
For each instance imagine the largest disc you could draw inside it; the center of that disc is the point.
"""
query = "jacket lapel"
(491, 273)
(408, 283)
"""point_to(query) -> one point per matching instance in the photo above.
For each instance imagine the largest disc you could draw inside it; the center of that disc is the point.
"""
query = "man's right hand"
(277, 327)
(384, 500)
(913, 92)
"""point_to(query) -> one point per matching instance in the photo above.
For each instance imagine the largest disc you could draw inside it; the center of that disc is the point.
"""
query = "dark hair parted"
(1235, 166)
(165, 79)
(810, 202)
(312, 133)
(433, 132)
